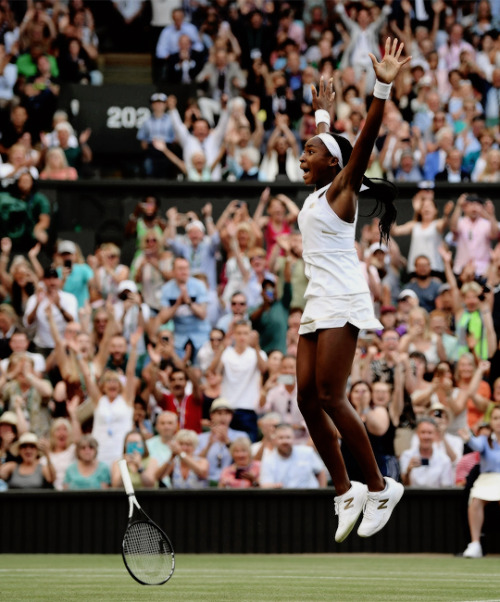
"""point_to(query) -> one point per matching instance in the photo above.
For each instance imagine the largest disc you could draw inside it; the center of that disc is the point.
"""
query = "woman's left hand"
(387, 70)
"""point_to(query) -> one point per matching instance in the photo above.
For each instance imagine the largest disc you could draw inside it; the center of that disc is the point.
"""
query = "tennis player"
(338, 300)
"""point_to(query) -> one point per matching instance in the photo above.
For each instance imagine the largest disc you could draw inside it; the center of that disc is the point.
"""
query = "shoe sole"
(401, 492)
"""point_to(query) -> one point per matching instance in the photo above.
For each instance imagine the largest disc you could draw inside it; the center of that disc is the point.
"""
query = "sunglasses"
(151, 240)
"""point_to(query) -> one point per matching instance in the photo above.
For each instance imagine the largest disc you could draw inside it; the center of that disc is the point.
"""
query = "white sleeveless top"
(425, 241)
(112, 421)
(331, 262)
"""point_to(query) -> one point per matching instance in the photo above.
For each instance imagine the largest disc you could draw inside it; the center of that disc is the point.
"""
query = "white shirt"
(112, 421)
(298, 471)
(438, 473)
(161, 452)
(37, 358)
(241, 378)
(43, 337)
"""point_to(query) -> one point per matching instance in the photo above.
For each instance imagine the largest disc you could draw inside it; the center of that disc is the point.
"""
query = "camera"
(123, 296)
(239, 472)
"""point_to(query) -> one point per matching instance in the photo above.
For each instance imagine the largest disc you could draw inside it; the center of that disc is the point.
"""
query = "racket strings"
(147, 553)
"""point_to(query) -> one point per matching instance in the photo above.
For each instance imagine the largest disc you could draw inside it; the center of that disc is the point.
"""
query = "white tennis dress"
(337, 291)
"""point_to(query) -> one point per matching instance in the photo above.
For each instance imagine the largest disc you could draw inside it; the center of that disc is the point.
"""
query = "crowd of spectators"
(183, 362)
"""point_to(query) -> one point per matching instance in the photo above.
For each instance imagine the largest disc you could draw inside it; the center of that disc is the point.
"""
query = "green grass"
(241, 578)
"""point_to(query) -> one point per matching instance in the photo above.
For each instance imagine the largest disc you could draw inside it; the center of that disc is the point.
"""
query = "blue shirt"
(157, 127)
(161, 452)
(168, 42)
(202, 259)
(490, 456)
(74, 480)
(77, 282)
(218, 455)
(186, 325)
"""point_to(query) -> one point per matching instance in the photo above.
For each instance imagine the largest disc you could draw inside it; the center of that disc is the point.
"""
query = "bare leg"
(321, 428)
(329, 355)
(476, 518)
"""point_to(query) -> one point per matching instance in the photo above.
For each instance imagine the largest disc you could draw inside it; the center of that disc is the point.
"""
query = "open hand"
(387, 70)
(324, 97)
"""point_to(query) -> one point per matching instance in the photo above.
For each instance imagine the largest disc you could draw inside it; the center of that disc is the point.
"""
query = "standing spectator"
(291, 466)
(425, 285)
(281, 160)
(16, 126)
(157, 126)
(110, 272)
(64, 308)
(453, 171)
(63, 436)
(76, 276)
(56, 166)
(186, 407)
(420, 338)
(200, 246)
(75, 65)
(166, 426)
(8, 77)
(241, 367)
(202, 139)
(128, 31)
(449, 53)
(219, 77)
(473, 232)
(145, 217)
(487, 486)
(214, 444)
(492, 102)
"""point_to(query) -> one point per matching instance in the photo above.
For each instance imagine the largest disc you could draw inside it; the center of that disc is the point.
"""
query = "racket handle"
(127, 483)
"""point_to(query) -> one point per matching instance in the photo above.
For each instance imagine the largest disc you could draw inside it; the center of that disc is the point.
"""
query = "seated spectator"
(244, 472)
(158, 127)
(17, 163)
(151, 268)
(267, 426)
(19, 343)
(78, 157)
(17, 125)
(281, 160)
(487, 485)
(451, 445)
(475, 162)
(214, 444)
(435, 160)
(183, 300)
(29, 473)
(63, 436)
(75, 65)
(168, 41)
(87, 472)
(424, 465)
(141, 467)
(407, 170)
(26, 62)
(282, 399)
(491, 171)
(291, 466)
(12, 425)
(159, 446)
(420, 338)
(186, 469)
(141, 420)
(56, 166)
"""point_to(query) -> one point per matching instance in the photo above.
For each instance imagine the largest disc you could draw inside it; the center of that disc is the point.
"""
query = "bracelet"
(381, 90)
(140, 470)
(209, 218)
(322, 116)
(182, 455)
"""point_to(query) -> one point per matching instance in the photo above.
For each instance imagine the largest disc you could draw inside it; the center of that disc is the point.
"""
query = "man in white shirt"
(425, 465)
(241, 367)
(291, 466)
(166, 426)
(64, 307)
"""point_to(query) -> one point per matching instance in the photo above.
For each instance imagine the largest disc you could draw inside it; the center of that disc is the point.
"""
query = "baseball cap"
(271, 278)
(221, 404)
(378, 246)
(50, 272)
(443, 288)
(387, 309)
(158, 97)
(66, 246)
(127, 285)
(407, 292)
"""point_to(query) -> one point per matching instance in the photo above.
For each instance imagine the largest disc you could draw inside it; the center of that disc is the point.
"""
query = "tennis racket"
(146, 550)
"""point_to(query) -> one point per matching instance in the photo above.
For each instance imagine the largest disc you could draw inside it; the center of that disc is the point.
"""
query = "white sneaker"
(473, 550)
(348, 507)
(379, 506)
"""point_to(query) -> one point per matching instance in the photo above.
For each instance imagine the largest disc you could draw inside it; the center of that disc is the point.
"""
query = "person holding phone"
(426, 465)
(142, 468)
(244, 471)
(77, 277)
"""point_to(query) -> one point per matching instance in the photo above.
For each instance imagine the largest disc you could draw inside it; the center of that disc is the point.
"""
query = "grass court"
(256, 578)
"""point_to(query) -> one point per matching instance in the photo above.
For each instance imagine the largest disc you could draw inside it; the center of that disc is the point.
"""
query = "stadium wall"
(90, 211)
(232, 521)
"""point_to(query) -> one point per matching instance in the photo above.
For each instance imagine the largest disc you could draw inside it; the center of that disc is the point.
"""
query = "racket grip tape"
(127, 483)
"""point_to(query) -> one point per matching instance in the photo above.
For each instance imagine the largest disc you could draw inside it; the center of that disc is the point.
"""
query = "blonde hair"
(243, 442)
(110, 246)
(187, 436)
(56, 151)
(109, 375)
(151, 232)
(471, 287)
(420, 312)
(57, 422)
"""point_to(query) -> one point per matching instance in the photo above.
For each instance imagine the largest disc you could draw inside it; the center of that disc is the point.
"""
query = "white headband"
(333, 146)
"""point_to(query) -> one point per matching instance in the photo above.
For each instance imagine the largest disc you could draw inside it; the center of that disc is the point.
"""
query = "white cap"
(66, 246)
(195, 224)
(127, 285)
(378, 246)
(407, 292)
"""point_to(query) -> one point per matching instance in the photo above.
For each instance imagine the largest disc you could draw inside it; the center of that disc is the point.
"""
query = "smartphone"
(134, 446)
(239, 472)
(286, 379)
(424, 461)
(68, 263)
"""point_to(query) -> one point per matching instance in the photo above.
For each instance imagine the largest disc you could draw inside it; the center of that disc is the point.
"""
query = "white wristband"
(381, 90)
(322, 116)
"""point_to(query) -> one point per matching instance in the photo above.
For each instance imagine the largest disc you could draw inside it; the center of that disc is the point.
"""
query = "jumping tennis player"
(338, 300)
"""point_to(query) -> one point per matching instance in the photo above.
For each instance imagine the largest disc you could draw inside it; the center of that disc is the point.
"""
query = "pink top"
(228, 476)
(270, 235)
(473, 242)
(65, 173)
